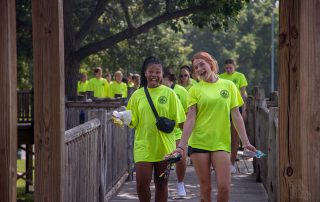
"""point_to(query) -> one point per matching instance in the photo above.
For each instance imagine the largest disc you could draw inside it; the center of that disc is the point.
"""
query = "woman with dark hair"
(207, 128)
(150, 144)
(241, 82)
(169, 79)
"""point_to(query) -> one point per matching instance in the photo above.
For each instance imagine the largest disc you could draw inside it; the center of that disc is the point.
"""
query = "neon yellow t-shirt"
(214, 102)
(188, 86)
(82, 86)
(118, 88)
(192, 81)
(183, 96)
(99, 86)
(150, 144)
(237, 78)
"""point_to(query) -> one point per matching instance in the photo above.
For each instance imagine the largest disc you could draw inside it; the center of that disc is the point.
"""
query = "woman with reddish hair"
(207, 128)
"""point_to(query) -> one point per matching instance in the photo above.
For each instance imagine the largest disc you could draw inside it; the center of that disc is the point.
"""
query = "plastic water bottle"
(258, 154)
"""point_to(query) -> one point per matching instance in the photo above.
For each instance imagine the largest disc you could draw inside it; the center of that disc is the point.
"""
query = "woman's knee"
(161, 185)
(206, 188)
(142, 187)
(224, 189)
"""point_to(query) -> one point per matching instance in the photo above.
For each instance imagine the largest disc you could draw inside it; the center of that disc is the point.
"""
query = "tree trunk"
(71, 61)
(72, 66)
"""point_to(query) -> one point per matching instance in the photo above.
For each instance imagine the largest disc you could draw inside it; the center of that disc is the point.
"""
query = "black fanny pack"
(164, 124)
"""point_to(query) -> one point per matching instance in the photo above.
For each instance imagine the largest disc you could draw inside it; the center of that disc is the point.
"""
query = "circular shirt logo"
(224, 93)
(235, 80)
(162, 100)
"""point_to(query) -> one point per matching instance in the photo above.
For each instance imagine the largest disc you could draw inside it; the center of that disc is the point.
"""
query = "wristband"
(180, 148)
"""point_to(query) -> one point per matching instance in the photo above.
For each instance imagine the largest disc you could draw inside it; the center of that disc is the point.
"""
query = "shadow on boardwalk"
(243, 187)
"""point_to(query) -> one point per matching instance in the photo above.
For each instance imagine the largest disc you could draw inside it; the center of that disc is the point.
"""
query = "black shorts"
(192, 150)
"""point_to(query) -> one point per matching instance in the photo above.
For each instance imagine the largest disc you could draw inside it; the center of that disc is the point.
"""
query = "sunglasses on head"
(184, 75)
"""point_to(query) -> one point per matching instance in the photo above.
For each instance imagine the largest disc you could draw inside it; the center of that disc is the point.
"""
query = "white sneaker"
(181, 190)
(233, 169)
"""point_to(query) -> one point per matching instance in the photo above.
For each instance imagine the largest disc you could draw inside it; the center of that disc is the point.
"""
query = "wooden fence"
(262, 128)
(76, 112)
(25, 120)
(113, 156)
(81, 162)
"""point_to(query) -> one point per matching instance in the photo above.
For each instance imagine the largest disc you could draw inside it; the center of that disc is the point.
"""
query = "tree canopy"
(120, 34)
(101, 25)
(247, 41)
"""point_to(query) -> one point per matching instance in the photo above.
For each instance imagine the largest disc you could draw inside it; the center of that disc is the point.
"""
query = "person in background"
(150, 144)
(98, 84)
(194, 77)
(169, 79)
(108, 76)
(118, 88)
(185, 77)
(82, 84)
(241, 83)
(207, 128)
(129, 80)
(136, 81)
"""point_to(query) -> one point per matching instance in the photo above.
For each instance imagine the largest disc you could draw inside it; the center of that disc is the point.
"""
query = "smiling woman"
(207, 128)
(152, 144)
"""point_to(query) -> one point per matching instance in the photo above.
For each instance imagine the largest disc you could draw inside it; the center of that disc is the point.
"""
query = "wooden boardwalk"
(243, 186)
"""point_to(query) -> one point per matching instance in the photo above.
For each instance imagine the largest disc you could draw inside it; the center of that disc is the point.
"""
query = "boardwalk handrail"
(25, 106)
(262, 128)
(82, 162)
(114, 145)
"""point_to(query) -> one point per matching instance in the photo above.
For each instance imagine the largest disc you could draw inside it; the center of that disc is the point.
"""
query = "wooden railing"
(113, 148)
(25, 120)
(25, 106)
(262, 128)
(82, 162)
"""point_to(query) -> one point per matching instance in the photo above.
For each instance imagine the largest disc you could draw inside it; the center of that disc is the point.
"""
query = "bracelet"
(180, 148)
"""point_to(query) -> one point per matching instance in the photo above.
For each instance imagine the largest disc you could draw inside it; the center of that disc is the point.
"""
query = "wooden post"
(299, 103)
(8, 101)
(48, 50)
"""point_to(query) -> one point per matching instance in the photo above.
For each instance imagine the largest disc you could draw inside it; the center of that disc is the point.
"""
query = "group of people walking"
(105, 87)
(204, 110)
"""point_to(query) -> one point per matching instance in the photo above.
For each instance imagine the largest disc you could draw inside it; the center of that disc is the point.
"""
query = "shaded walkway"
(243, 187)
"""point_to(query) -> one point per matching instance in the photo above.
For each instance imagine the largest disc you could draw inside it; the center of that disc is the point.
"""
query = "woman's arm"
(239, 125)
(243, 93)
(187, 128)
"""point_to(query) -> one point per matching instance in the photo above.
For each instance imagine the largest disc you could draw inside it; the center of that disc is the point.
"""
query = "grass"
(21, 195)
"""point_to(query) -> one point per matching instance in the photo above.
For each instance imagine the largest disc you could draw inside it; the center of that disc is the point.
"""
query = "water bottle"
(258, 154)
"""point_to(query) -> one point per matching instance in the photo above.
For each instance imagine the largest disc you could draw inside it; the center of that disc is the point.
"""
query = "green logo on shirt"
(162, 100)
(235, 80)
(224, 93)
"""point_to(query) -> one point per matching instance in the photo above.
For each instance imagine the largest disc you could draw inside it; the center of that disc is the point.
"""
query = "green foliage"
(128, 55)
(119, 34)
(24, 44)
(21, 194)
(247, 41)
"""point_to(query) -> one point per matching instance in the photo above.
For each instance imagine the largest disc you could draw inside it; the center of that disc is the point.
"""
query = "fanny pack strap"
(151, 103)
(173, 85)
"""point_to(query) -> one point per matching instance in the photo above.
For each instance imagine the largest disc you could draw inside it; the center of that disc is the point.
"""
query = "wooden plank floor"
(243, 187)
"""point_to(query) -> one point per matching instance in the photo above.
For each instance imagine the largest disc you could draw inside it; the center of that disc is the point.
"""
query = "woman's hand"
(178, 150)
(250, 147)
